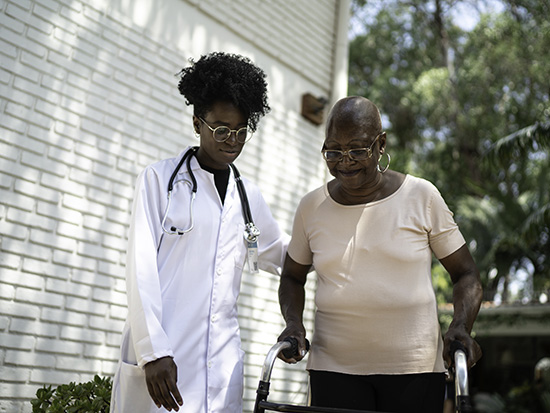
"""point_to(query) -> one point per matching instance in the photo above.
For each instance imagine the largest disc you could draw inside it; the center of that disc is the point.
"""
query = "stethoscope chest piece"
(251, 232)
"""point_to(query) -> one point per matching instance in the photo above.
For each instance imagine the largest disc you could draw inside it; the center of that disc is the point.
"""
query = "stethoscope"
(251, 231)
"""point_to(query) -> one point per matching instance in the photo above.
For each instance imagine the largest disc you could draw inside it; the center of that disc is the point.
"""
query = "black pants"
(423, 393)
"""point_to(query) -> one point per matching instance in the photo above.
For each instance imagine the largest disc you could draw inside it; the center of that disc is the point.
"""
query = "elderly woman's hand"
(473, 349)
(299, 333)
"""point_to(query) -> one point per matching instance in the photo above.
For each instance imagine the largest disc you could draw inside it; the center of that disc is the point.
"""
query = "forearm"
(291, 300)
(467, 296)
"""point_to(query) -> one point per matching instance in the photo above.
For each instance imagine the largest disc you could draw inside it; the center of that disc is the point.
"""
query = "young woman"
(186, 253)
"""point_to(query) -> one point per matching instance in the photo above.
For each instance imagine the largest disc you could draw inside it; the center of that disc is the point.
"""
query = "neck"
(357, 196)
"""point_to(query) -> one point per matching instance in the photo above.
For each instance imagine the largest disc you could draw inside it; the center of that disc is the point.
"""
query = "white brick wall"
(88, 97)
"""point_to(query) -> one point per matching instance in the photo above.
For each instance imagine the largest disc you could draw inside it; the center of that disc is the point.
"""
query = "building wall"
(88, 98)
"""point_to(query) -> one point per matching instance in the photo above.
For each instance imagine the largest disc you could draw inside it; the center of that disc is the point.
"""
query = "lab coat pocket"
(240, 247)
(131, 394)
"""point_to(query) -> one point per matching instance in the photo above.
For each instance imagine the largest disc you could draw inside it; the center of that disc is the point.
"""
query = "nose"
(346, 158)
(232, 139)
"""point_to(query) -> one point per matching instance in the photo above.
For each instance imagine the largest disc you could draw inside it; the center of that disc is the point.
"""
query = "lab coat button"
(214, 318)
(219, 271)
(209, 364)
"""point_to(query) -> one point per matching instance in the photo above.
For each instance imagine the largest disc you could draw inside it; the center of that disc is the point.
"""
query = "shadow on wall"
(90, 101)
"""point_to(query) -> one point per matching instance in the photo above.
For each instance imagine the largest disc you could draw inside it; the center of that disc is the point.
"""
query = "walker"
(290, 346)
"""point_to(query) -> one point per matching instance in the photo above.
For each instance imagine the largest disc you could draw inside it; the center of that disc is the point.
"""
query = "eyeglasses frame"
(347, 153)
(231, 131)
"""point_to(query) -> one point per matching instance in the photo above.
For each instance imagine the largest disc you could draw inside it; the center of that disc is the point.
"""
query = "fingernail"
(302, 352)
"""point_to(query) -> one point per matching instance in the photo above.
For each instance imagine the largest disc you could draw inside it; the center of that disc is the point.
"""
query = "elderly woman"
(370, 234)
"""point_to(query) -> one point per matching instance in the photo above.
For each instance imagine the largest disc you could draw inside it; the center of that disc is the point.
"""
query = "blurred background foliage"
(464, 90)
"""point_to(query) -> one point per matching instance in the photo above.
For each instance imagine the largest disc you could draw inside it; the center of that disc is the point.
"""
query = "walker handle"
(462, 392)
(457, 345)
(293, 350)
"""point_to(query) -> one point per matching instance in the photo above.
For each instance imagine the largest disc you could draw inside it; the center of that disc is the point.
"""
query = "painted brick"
(23, 43)
(92, 279)
(61, 214)
(82, 335)
(44, 138)
(24, 249)
(18, 232)
(74, 261)
(84, 205)
(53, 377)
(65, 288)
(33, 266)
(13, 24)
(52, 240)
(5, 77)
(116, 243)
(108, 199)
(63, 317)
(57, 112)
(30, 328)
(76, 232)
(86, 306)
(113, 339)
(39, 192)
(17, 341)
(40, 162)
(109, 296)
(38, 297)
(49, 4)
(48, 345)
(23, 142)
(24, 358)
(16, 391)
(103, 225)
(119, 312)
(97, 251)
(106, 325)
(18, 278)
(109, 367)
(13, 124)
(95, 154)
(70, 159)
(14, 374)
(29, 19)
(112, 270)
(10, 261)
(101, 352)
(65, 130)
(29, 219)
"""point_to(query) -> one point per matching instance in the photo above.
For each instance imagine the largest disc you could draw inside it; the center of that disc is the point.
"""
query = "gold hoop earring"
(387, 165)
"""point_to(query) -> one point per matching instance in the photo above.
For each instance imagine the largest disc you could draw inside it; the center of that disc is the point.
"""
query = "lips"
(231, 153)
(349, 174)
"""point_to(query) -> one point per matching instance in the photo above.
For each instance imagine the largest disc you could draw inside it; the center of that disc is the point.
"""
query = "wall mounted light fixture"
(313, 108)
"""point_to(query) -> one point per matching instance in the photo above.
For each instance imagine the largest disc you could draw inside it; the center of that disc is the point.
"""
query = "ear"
(196, 125)
(382, 142)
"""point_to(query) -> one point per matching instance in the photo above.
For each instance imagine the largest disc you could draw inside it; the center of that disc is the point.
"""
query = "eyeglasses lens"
(222, 133)
(354, 154)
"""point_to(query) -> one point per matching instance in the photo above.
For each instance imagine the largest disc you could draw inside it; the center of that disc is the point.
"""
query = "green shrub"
(91, 397)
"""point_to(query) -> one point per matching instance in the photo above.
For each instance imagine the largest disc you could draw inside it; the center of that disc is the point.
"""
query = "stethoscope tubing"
(251, 231)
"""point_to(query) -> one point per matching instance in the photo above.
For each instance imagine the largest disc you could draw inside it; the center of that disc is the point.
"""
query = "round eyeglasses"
(222, 133)
(358, 154)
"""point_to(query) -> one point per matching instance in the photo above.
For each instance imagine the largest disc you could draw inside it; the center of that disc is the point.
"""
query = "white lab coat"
(182, 290)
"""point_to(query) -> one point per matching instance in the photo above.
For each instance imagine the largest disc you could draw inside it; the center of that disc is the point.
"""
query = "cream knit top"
(376, 308)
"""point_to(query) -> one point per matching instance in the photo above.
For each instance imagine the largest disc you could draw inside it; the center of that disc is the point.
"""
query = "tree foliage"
(470, 111)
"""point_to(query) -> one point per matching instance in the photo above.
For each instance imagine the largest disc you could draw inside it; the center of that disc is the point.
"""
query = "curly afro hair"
(225, 77)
